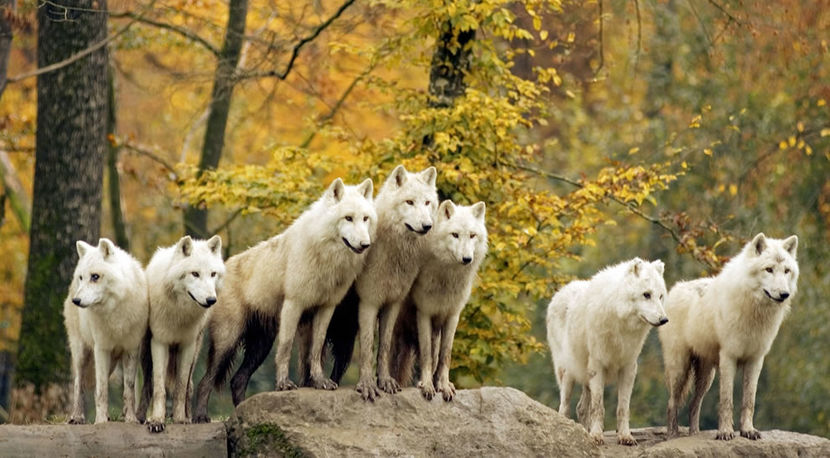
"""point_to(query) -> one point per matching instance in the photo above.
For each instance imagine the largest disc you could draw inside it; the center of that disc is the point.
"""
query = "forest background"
(595, 132)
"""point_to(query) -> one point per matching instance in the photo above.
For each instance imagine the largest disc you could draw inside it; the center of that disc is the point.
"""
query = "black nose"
(426, 228)
(466, 260)
(784, 296)
(210, 301)
(76, 301)
(363, 246)
(663, 321)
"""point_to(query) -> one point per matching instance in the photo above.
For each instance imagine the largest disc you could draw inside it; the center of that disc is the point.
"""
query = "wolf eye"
(409, 202)
(195, 274)
(472, 236)
(769, 269)
(94, 277)
(80, 277)
(455, 235)
(349, 219)
(786, 271)
(365, 218)
(426, 203)
(212, 274)
(647, 295)
(661, 297)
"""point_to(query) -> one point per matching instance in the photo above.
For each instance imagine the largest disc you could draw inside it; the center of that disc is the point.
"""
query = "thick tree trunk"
(195, 219)
(69, 157)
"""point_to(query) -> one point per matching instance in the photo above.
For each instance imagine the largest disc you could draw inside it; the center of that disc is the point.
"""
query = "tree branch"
(190, 35)
(297, 47)
(328, 116)
(601, 42)
(152, 156)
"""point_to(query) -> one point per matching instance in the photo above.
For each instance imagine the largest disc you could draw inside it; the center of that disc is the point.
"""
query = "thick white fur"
(457, 247)
(406, 207)
(596, 329)
(105, 314)
(310, 265)
(183, 280)
(727, 321)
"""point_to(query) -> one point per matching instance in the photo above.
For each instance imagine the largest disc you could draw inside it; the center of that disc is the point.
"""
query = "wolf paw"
(155, 426)
(201, 419)
(598, 439)
(627, 439)
(131, 419)
(752, 434)
(725, 435)
(389, 385)
(427, 390)
(368, 389)
(286, 384)
(323, 383)
(76, 421)
(447, 389)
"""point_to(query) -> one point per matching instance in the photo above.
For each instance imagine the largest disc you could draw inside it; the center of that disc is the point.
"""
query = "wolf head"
(354, 213)
(96, 276)
(199, 268)
(411, 199)
(460, 235)
(772, 267)
(646, 291)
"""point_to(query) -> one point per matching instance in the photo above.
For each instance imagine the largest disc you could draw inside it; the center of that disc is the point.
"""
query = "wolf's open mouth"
(356, 250)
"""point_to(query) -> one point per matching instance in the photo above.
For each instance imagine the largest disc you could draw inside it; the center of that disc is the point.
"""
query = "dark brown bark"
(195, 219)
(69, 157)
(6, 34)
(113, 180)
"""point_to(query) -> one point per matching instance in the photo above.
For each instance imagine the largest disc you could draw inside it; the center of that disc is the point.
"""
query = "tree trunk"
(6, 35)
(195, 219)
(69, 157)
(113, 180)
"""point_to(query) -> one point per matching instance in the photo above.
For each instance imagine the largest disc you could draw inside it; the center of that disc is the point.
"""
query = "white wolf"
(406, 205)
(726, 321)
(309, 267)
(105, 314)
(183, 282)
(596, 330)
(457, 247)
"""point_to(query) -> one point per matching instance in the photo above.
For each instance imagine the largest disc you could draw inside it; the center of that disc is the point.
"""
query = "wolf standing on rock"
(307, 268)
(105, 314)
(183, 283)
(457, 247)
(723, 322)
(596, 330)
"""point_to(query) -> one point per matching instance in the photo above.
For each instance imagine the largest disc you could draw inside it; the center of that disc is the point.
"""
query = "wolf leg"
(130, 371)
(584, 406)
(677, 376)
(102, 372)
(320, 325)
(386, 325)
(566, 386)
(752, 370)
(596, 381)
(445, 387)
(80, 358)
(624, 387)
(425, 349)
(367, 317)
(186, 355)
(704, 375)
(289, 318)
(727, 368)
(258, 343)
(160, 351)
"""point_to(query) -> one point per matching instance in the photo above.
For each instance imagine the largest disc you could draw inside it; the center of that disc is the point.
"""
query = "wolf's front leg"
(445, 387)
(425, 349)
(752, 370)
(187, 353)
(160, 353)
(102, 373)
(386, 324)
(289, 317)
(727, 368)
(130, 363)
(596, 412)
(320, 325)
(624, 387)
(367, 317)
(80, 357)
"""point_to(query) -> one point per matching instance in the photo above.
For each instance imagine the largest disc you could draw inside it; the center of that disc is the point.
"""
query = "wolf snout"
(781, 297)
(466, 260)
(426, 228)
(662, 321)
(210, 301)
(76, 301)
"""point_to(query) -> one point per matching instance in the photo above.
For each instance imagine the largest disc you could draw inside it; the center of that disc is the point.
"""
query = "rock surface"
(113, 439)
(483, 422)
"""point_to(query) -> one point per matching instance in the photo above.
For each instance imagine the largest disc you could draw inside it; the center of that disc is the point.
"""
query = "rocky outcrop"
(481, 422)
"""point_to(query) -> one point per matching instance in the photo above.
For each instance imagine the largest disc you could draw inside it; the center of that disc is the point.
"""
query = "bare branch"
(297, 47)
(334, 109)
(601, 42)
(144, 151)
(189, 34)
(722, 10)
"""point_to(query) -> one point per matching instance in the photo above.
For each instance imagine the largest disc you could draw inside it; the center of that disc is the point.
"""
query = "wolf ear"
(106, 246)
(366, 188)
(791, 244)
(428, 175)
(636, 267)
(659, 266)
(82, 248)
(399, 175)
(478, 210)
(759, 243)
(446, 209)
(337, 189)
(215, 245)
(185, 245)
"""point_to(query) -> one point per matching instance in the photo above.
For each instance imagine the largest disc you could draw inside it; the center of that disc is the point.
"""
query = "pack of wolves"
(394, 272)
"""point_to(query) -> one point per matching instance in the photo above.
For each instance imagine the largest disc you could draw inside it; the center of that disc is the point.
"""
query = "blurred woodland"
(594, 131)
